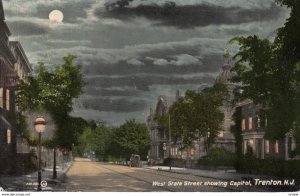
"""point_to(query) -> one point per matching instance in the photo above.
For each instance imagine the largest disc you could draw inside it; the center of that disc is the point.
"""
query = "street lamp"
(208, 143)
(164, 149)
(39, 125)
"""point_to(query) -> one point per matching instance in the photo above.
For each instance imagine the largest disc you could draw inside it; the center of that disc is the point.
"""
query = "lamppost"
(39, 126)
(207, 140)
(164, 149)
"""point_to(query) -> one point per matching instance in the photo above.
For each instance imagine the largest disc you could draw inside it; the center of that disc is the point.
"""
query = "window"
(7, 100)
(251, 142)
(243, 125)
(245, 146)
(221, 133)
(276, 147)
(174, 151)
(267, 146)
(192, 152)
(1, 97)
(250, 123)
(8, 135)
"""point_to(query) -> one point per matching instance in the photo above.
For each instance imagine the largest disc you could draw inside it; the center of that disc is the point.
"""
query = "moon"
(56, 16)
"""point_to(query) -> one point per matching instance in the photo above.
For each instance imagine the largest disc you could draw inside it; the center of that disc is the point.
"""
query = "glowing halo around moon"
(56, 16)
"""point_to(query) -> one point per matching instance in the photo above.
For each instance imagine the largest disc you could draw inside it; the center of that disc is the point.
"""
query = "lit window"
(267, 146)
(243, 125)
(250, 123)
(7, 99)
(192, 152)
(1, 97)
(276, 147)
(221, 134)
(251, 142)
(8, 134)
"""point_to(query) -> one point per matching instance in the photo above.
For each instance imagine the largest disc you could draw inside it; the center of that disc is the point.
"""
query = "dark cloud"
(129, 62)
(209, 63)
(114, 105)
(89, 90)
(26, 28)
(189, 15)
(143, 82)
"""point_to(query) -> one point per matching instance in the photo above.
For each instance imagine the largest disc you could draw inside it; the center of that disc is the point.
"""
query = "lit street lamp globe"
(39, 125)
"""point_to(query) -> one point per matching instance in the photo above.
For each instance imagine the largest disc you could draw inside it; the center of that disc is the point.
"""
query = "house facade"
(14, 66)
(253, 133)
(158, 148)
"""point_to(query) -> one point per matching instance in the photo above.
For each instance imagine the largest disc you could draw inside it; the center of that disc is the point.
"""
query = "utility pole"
(170, 164)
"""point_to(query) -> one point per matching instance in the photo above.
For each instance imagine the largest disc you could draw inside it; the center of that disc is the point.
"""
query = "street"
(86, 175)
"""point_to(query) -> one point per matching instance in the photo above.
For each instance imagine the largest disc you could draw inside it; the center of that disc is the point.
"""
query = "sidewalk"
(219, 174)
(29, 182)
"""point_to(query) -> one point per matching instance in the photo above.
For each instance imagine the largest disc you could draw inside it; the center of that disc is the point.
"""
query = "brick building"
(14, 66)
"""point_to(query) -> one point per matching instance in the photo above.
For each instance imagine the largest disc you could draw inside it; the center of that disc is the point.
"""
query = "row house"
(14, 66)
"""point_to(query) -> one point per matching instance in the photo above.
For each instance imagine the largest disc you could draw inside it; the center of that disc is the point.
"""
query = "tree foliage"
(53, 92)
(236, 129)
(131, 138)
(195, 115)
(270, 73)
(115, 143)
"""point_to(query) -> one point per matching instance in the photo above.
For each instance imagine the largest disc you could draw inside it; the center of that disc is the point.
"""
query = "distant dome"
(226, 75)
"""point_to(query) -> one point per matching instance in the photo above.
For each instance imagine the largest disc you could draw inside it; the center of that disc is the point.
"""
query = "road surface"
(86, 175)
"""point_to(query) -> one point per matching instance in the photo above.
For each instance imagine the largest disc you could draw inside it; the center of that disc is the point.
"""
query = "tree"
(270, 73)
(131, 138)
(53, 92)
(196, 115)
(236, 129)
(101, 141)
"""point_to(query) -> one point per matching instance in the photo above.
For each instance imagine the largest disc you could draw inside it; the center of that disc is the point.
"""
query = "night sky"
(132, 51)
